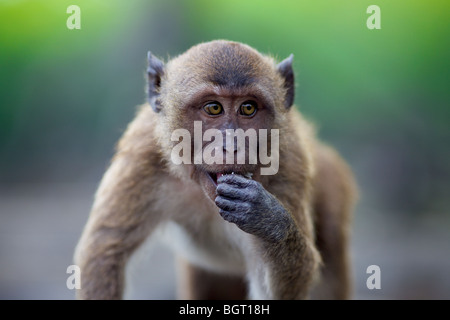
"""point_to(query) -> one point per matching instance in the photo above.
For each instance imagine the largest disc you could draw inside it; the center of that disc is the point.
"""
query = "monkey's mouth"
(208, 178)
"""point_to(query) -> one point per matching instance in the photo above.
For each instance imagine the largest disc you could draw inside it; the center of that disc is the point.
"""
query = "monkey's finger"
(226, 215)
(235, 179)
(240, 220)
(232, 205)
(232, 192)
(225, 204)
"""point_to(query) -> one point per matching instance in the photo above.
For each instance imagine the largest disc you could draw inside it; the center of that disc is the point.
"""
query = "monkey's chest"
(213, 244)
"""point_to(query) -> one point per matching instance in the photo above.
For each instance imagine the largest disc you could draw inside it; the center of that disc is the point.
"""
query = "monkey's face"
(226, 97)
(225, 127)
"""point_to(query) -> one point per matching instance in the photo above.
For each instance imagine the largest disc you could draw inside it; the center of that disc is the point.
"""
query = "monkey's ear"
(285, 69)
(155, 71)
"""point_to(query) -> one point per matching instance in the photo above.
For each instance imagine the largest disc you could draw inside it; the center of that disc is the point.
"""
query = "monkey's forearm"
(289, 264)
(102, 254)
(119, 222)
(102, 277)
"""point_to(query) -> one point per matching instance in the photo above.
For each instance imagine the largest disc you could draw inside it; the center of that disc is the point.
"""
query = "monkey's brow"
(256, 91)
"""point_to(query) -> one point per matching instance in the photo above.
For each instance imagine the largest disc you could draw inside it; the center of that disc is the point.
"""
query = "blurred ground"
(40, 225)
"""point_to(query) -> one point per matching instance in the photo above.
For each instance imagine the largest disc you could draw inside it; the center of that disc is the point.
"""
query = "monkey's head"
(209, 92)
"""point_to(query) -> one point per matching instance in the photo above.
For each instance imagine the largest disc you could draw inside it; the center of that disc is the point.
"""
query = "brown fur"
(142, 190)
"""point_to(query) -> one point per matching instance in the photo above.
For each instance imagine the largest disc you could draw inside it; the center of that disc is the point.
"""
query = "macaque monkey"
(238, 231)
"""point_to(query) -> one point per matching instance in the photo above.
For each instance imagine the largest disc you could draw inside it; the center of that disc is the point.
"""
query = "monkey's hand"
(252, 208)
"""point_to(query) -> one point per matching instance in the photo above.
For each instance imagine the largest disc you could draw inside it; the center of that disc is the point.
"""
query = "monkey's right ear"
(155, 71)
(285, 69)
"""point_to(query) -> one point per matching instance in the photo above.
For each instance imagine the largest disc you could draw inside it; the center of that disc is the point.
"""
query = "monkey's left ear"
(155, 71)
(285, 69)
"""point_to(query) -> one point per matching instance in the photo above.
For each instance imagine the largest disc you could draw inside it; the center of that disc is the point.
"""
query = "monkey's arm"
(286, 259)
(118, 224)
(126, 209)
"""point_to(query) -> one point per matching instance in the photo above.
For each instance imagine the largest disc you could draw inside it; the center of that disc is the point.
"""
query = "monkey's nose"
(232, 147)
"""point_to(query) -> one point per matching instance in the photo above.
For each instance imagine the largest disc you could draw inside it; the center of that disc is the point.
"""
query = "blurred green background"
(381, 97)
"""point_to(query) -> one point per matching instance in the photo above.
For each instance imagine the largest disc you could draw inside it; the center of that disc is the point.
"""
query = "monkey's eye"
(248, 108)
(213, 108)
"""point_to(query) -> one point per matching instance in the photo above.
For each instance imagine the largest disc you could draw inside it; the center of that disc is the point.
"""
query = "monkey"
(236, 233)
